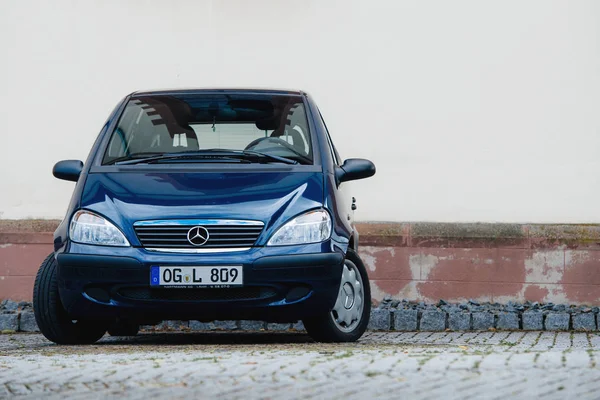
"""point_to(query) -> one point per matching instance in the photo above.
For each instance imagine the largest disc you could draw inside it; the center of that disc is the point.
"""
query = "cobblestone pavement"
(424, 365)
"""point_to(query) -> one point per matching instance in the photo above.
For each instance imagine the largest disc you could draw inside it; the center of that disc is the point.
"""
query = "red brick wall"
(414, 261)
(486, 262)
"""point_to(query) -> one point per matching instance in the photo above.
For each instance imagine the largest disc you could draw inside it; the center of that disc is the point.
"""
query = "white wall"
(472, 110)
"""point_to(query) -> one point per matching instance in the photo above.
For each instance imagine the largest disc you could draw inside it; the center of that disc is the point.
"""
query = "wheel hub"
(348, 308)
(349, 296)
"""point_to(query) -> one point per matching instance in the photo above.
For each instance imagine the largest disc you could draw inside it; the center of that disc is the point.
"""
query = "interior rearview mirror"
(68, 170)
(355, 168)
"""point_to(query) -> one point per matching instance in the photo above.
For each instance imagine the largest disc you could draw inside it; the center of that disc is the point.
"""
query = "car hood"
(270, 197)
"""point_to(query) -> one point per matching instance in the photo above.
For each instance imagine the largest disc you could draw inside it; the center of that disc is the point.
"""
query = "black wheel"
(123, 328)
(348, 319)
(50, 315)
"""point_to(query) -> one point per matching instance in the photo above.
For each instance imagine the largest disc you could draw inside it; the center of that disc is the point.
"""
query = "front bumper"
(284, 283)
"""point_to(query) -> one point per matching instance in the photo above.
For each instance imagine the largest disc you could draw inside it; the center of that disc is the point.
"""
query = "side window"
(297, 130)
(334, 153)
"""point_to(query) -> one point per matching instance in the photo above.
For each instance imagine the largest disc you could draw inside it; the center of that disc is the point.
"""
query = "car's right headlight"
(89, 228)
(311, 227)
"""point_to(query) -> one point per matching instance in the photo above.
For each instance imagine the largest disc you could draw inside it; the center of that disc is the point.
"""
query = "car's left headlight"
(89, 228)
(311, 227)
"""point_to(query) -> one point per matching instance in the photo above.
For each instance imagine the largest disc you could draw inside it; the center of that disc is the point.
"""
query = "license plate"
(217, 276)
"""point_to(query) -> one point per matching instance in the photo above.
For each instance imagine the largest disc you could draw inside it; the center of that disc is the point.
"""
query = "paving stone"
(533, 321)
(459, 321)
(273, 326)
(9, 322)
(405, 320)
(483, 321)
(284, 365)
(27, 322)
(557, 322)
(433, 321)
(508, 321)
(584, 322)
(248, 325)
(380, 320)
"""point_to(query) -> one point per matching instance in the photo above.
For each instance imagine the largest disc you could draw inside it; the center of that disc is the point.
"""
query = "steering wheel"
(273, 140)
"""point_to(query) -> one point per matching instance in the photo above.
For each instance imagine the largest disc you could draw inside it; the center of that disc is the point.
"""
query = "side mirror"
(68, 170)
(353, 169)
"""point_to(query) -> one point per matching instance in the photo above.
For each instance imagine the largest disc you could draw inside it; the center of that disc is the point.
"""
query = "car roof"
(160, 92)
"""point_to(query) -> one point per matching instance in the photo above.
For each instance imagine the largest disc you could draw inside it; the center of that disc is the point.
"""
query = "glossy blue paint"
(200, 194)
(272, 198)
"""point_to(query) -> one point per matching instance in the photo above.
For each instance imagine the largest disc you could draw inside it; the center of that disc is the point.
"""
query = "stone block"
(483, 321)
(226, 325)
(201, 326)
(508, 321)
(214, 325)
(405, 320)
(173, 325)
(557, 322)
(9, 322)
(149, 328)
(533, 321)
(27, 322)
(459, 321)
(273, 326)
(10, 305)
(433, 321)
(248, 325)
(298, 326)
(380, 320)
(584, 322)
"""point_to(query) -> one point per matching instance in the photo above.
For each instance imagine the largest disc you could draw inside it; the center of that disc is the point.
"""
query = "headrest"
(268, 124)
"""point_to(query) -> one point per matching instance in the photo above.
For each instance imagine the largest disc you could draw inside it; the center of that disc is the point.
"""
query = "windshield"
(274, 125)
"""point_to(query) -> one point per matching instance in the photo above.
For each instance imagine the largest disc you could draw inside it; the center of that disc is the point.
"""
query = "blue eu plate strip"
(154, 275)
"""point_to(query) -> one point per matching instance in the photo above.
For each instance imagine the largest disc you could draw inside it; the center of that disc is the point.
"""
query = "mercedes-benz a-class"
(207, 205)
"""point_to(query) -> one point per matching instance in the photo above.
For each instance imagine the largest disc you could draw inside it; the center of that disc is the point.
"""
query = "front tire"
(50, 315)
(348, 319)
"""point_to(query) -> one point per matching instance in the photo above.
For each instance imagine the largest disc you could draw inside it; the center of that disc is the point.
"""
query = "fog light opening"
(98, 294)
(297, 293)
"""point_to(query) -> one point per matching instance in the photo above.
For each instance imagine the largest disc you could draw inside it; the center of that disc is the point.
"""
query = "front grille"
(176, 236)
(203, 294)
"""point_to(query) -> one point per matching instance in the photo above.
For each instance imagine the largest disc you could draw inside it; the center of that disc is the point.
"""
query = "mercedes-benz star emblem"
(349, 295)
(198, 236)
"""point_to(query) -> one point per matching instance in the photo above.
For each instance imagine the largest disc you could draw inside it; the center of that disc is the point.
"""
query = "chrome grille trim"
(194, 222)
(172, 235)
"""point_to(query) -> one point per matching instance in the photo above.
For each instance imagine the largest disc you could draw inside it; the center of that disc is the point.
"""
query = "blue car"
(207, 205)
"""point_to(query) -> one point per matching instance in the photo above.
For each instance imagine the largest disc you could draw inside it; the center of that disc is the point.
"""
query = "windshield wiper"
(209, 155)
(134, 156)
(284, 160)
